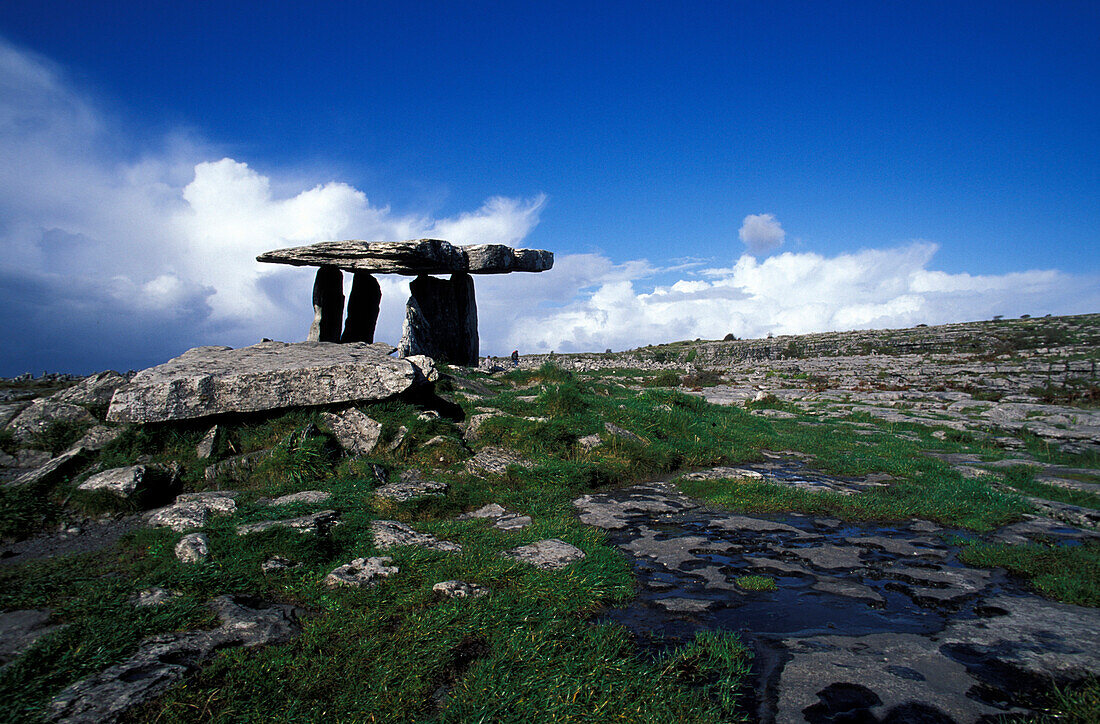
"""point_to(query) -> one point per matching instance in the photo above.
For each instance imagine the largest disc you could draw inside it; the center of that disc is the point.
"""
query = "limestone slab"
(411, 258)
(208, 381)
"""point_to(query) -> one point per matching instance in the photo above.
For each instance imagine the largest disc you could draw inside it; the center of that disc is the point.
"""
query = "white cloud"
(761, 233)
(790, 293)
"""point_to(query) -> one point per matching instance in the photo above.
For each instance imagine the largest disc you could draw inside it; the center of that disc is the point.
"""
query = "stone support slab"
(328, 305)
(441, 320)
(363, 304)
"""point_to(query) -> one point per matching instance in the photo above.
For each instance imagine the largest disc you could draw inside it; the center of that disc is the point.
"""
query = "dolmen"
(440, 315)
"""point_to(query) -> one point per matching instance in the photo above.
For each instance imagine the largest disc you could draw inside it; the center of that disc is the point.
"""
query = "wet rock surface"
(868, 622)
(20, 629)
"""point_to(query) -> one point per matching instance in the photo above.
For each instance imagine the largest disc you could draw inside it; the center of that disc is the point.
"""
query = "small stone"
(276, 563)
(193, 548)
(356, 433)
(411, 485)
(209, 444)
(459, 589)
(306, 496)
(236, 469)
(397, 439)
(361, 572)
(548, 555)
(390, 534)
(620, 432)
(502, 519)
(155, 596)
(589, 442)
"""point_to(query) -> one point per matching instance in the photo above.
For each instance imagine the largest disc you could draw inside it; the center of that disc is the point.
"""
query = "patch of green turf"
(756, 583)
(1065, 573)
(1022, 478)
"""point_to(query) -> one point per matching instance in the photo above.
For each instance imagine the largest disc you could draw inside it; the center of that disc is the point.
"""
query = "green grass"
(1065, 573)
(756, 583)
(1022, 478)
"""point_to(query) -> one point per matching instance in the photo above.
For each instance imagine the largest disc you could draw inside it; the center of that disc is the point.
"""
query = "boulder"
(123, 482)
(236, 469)
(98, 438)
(361, 572)
(412, 258)
(94, 391)
(37, 417)
(164, 661)
(548, 555)
(192, 510)
(55, 469)
(193, 548)
(209, 444)
(268, 376)
(356, 433)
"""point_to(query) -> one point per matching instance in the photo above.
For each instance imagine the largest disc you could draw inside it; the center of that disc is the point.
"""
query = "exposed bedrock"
(363, 304)
(441, 320)
(328, 305)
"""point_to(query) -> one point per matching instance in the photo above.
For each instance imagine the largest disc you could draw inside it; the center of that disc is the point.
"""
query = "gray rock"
(495, 461)
(441, 320)
(19, 630)
(164, 661)
(192, 510)
(502, 519)
(328, 305)
(361, 572)
(459, 589)
(411, 485)
(277, 563)
(37, 417)
(848, 589)
(315, 523)
(473, 425)
(267, 376)
(363, 305)
(155, 596)
(356, 433)
(97, 438)
(31, 458)
(684, 605)
(390, 534)
(620, 432)
(236, 469)
(57, 468)
(306, 496)
(548, 555)
(93, 391)
(412, 258)
(398, 438)
(193, 548)
(589, 442)
(209, 444)
(828, 556)
(123, 482)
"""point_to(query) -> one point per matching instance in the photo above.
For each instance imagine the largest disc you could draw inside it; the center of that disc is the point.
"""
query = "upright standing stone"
(328, 305)
(441, 320)
(363, 305)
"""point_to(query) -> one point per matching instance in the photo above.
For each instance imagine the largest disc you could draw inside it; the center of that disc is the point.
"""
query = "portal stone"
(441, 320)
(363, 305)
(328, 305)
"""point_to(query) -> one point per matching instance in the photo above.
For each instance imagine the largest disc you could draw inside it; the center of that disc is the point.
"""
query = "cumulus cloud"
(790, 293)
(127, 257)
(761, 233)
(119, 257)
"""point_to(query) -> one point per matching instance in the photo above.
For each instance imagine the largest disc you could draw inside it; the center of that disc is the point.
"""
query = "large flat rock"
(411, 258)
(267, 376)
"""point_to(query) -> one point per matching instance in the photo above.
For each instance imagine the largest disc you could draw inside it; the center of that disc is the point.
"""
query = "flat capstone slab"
(208, 381)
(412, 258)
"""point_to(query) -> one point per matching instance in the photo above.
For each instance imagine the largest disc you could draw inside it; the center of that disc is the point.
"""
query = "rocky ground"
(879, 526)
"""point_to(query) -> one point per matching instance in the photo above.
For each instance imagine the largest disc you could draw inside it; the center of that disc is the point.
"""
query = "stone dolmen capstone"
(441, 314)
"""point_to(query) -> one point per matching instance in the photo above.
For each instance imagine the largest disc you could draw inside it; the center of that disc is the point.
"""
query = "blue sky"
(698, 168)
